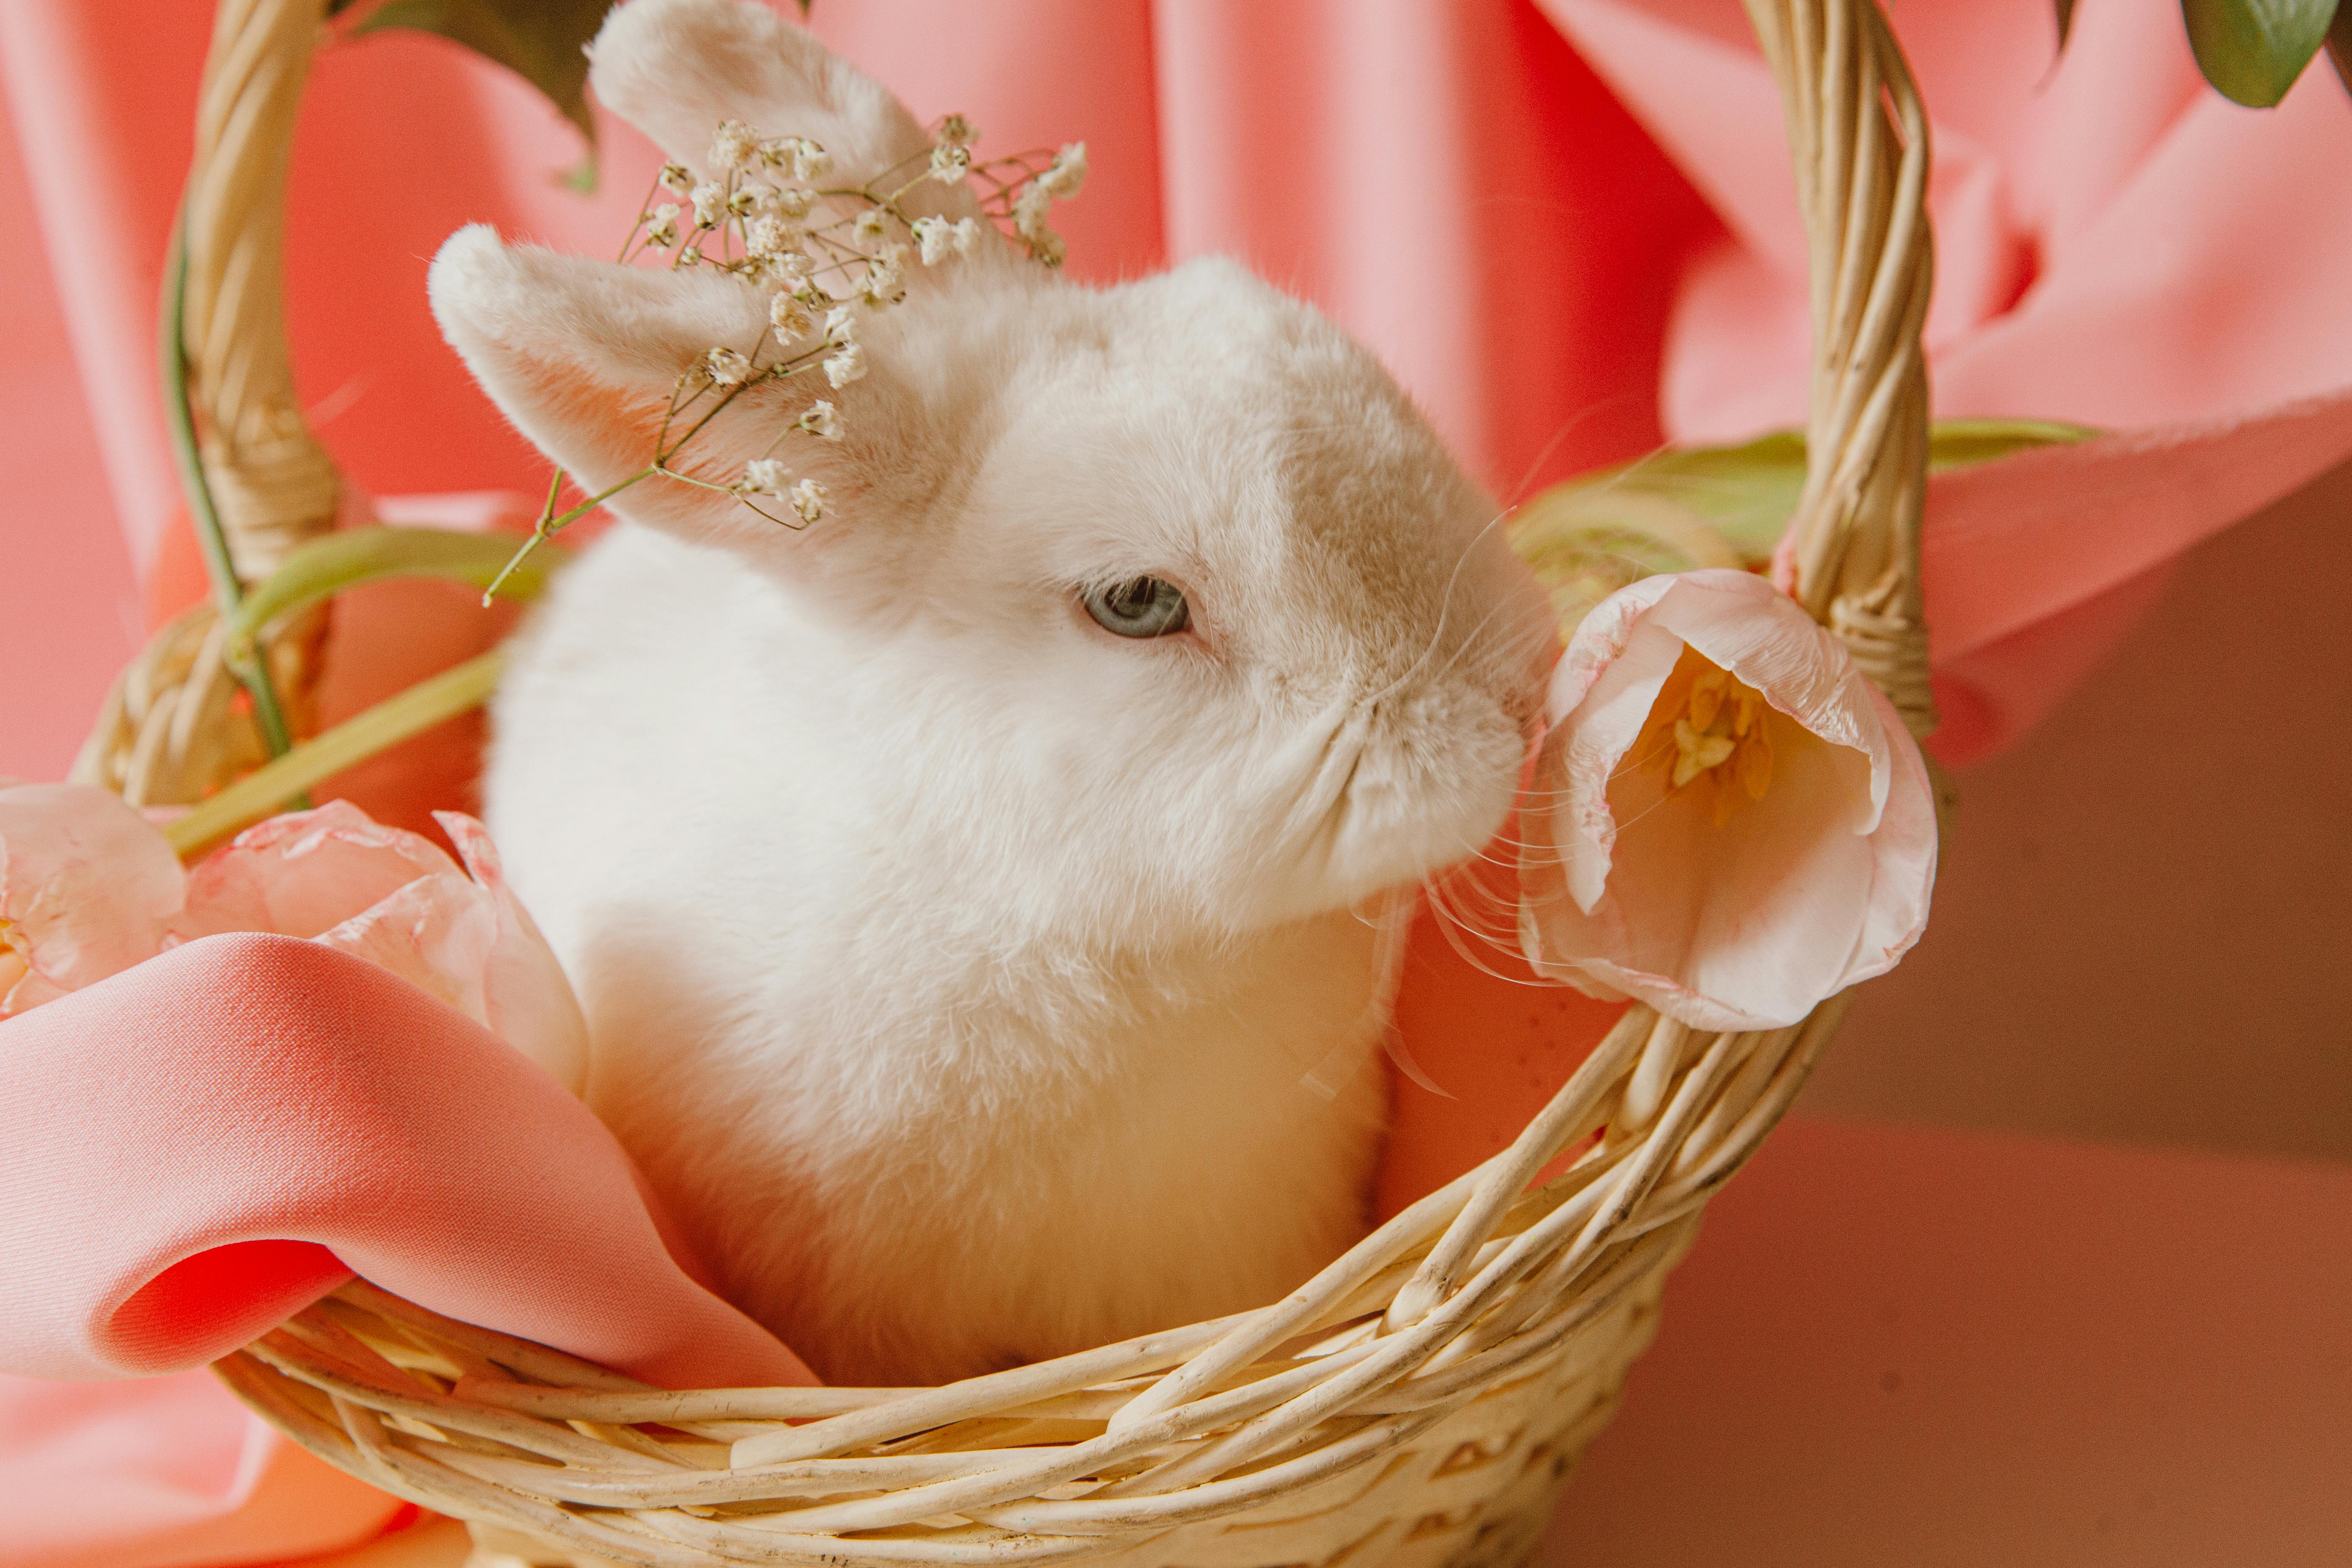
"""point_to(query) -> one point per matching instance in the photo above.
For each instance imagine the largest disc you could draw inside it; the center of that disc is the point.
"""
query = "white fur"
(967, 980)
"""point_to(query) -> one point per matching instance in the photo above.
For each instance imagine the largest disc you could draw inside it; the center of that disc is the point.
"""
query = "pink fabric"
(217, 1136)
(274, 1115)
(2116, 246)
(164, 1471)
(1568, 225)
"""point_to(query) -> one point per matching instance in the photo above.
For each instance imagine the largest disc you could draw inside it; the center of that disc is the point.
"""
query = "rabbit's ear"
(586, 358)
(675, 69)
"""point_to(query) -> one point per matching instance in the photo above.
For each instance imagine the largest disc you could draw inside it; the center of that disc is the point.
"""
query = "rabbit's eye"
(1138, 607)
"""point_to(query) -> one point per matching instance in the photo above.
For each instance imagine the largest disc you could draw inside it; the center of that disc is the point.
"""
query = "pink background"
(1964, 1343)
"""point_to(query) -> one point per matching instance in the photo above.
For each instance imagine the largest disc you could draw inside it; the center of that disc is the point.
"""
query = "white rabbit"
(974, 983)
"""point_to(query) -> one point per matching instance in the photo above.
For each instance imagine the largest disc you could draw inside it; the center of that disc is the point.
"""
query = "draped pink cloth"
(2116, 246)
(223, 1133)
(1568, 225)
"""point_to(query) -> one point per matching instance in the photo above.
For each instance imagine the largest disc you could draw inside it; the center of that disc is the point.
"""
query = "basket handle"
(171, 731)
(1860, 140)
(273, 483)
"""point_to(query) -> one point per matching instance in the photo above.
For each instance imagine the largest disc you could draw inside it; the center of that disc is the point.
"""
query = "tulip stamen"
(16, 961)
(1708, 724)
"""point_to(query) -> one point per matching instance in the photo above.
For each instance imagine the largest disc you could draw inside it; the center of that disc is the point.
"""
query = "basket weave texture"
(1422, 1400)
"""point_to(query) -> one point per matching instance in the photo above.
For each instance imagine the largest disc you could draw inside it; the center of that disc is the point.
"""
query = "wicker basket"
(1422, 1399)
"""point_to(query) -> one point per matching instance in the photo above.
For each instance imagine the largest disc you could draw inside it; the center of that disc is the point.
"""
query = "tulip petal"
(1576, 762)
(436, 932)
(87, 886)
(306, 872)
(527, 1000)
(1582, 759)
(1907, 841)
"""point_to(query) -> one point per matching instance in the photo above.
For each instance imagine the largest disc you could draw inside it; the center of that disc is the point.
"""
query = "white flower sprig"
(1058, 181)
(822, 255)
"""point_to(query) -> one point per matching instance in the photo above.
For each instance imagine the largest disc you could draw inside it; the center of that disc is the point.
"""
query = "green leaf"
(1745, 493)
(2252, 50)
(1962, 443)
(2339, 44)
(540, 40)
(1708, 506)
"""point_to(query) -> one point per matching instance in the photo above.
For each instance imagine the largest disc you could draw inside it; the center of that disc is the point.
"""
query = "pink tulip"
(1727, 821)
(89, 888)
(524, 998)
(306, 872)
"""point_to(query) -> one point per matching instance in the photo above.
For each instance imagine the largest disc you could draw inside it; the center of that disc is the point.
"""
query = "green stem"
(349, 557)
(268, 712)
(381, 727)
(548, 525)
(539, 535)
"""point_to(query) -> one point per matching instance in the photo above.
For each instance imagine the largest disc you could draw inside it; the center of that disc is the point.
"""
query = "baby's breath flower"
(733, 144)
(791, 277)
(768, 238)
(951, 161)
(1061, 179)
(790, 316)
(764, 476)
(808, 500)
(937, 236)
(727, 367)
(1029, 210)
(809, 160)
(821, 421)
(1067, 172)
(886, 278)
(748, 194)
(846, 365)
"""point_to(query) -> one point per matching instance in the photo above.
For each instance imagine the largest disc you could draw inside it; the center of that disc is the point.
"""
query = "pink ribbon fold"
(217, 1137)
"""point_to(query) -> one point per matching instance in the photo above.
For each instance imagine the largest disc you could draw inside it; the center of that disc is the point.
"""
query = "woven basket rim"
(1471, 1290)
